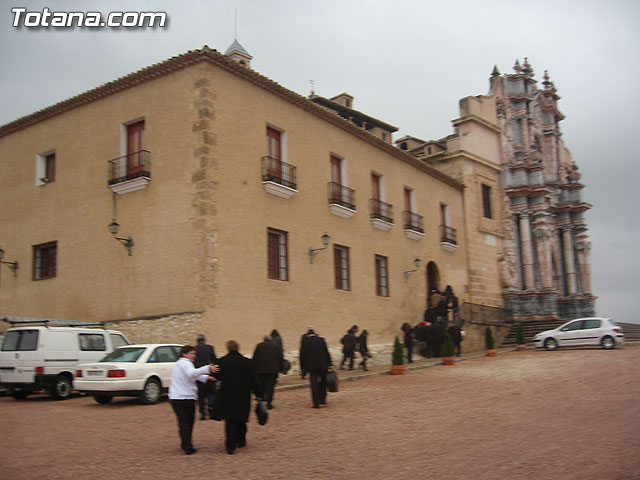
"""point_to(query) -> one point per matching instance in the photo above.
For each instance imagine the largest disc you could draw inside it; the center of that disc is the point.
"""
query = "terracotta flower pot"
(448, 360)
(492, 352)
(521, 348)
(397, 369)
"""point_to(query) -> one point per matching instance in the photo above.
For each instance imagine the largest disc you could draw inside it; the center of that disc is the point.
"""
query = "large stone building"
(245, 207)
(223, 185)
(523, 195)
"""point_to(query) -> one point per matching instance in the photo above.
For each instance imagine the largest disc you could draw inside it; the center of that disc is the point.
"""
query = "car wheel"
(550, 344)
(151, 392)
(607, 342)
(19, 394)
(103, 399)
(61, 389)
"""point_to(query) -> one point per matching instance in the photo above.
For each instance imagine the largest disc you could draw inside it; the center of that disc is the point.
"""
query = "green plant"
(447, 345)
(520, 335)
(396, 356)
(488, 339)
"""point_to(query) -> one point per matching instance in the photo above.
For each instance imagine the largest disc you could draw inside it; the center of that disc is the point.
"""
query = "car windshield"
(124, 354)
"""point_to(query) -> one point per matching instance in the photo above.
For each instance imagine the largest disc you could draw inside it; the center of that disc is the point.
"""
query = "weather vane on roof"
(313, 84)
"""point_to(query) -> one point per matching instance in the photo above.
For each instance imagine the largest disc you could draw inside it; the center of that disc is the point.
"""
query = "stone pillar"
(569, 263)
(583, 250)
(544, 257)
(527, 253)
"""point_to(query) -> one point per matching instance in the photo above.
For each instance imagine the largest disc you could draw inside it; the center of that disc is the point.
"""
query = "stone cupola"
(238, 54)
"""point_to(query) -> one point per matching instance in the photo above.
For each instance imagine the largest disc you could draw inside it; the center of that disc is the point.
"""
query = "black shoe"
(190, 451)
(202, 417)
(316, 406)
(366, 369)
(269, 406)
(241, 444)
(230, 452)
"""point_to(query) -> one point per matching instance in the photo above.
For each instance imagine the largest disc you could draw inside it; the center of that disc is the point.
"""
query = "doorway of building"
(433, 279)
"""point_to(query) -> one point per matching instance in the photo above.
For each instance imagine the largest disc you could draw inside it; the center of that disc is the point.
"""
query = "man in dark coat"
(267, 361)
(421, 337)
(438, 338)
(456, 337)
(349, 342)
(315, 361)
(205, 355)
(238, 381)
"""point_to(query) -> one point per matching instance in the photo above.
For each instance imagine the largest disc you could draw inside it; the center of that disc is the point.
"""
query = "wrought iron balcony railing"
(412, 221)
(381, 210)
(448, 235)
(274, 170)
(341, 195)
(129, 167)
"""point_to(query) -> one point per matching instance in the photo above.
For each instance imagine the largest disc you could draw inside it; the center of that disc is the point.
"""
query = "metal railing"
(485, 314)
(381, 210)
(412, 221)
(277, 171)
(128, 167)
(448, 235)
(341, 195)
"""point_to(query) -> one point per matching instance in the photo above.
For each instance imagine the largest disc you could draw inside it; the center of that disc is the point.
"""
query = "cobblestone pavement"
(569, 414)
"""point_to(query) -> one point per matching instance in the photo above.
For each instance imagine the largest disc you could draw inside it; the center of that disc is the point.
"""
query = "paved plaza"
(570, 414)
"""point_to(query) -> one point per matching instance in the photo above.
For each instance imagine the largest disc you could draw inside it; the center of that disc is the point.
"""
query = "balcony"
(448, 238)
(341, 200)
(381, 214)
(278, 178)
(412, 225)
(129, 173)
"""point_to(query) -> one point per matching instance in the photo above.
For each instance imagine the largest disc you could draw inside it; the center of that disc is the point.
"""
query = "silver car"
(582, 331)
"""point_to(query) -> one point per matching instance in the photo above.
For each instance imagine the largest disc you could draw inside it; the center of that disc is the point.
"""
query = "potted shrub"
(490, 343)
(447, 349)
(520, 341)
(397, 358)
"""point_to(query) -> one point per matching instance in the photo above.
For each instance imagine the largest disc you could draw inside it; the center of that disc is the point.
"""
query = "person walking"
(315, 361)
(363, 349)
(277, 338)
(408, 340)
(267, 361)
(238, 380)
(349, 342)
(183, 393)
(205, 355)
(456, 337)
(438, 338)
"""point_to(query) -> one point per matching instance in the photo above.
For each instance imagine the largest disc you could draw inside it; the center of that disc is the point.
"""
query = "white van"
(33, 358)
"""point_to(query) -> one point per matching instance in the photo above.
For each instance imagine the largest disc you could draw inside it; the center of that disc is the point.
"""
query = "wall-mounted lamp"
(326, 239)
(13, 266)
(126, 242)
(406, 273)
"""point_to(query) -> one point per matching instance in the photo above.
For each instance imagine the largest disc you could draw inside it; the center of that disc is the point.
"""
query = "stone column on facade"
(544, 257)
(569, 263)
(526, 249)
(583, 249)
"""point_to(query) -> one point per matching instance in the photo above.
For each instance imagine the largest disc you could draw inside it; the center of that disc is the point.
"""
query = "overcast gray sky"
(406, 62)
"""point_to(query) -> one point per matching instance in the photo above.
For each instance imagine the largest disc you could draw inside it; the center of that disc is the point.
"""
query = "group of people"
(222, 387)
(351, 344)
(442, 313)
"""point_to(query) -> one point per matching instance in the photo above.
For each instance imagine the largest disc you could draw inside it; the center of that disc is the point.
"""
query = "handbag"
(286, 366)
(332, 381)
(261, 412)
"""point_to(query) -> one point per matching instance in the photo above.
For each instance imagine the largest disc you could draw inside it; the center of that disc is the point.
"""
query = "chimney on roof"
(238, 54)
(343, 99)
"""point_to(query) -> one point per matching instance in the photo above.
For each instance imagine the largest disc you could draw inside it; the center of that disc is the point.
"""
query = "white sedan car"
(582, 331)
(133, 370)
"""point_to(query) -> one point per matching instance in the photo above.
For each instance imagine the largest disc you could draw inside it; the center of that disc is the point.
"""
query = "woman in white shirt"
(183, 393)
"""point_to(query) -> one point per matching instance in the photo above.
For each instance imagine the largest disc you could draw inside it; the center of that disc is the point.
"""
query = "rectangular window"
(486, 201)
(382, 276)
(20, 341)
(135, 147)
(341, 267)
(444, 214)
(92, 342)
(278, 260)
(50, 167)
(45, 168)
(45, 259)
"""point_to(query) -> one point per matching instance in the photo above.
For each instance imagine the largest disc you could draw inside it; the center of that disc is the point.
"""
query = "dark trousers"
(351, 357)
(318, 381)
(268, 383)
(409, 348)
(206, 396)
(186, 413)
(457, 348)
(236, 432)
